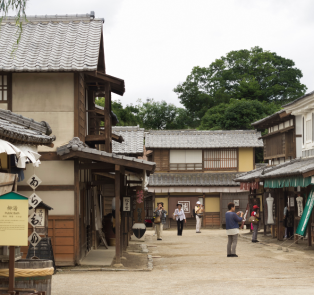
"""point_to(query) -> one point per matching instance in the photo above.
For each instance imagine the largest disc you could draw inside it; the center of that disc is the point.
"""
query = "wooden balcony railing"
(186, 167)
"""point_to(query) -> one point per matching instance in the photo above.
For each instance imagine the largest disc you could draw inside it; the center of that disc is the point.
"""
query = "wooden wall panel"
(212, 219)
(82, 108)
(161, 158)
(61, 232)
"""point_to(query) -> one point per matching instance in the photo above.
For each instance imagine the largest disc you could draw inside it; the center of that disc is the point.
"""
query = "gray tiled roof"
(193, 179)
(51, 43)
(133, 140)
(300, 98)
(14, 127)
(77, 145)
(202, 139)
(293, 167)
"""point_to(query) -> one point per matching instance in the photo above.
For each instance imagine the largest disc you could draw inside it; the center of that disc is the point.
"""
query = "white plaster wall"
(51, 173)
(177, 156)
(298, 131)
(61, 123)
(43, 92)
(62, 202)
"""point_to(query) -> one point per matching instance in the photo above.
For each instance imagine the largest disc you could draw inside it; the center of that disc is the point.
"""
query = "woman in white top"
(180, 217)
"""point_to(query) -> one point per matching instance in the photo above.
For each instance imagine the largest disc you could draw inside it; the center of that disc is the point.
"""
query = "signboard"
(34, 182)
(34, 200)
(41, 214)
(13, 220)
(35, 220)
(185, 206)
(236, 203)
(301, 230)
(126, 204)
(139, 210)
(34, 239)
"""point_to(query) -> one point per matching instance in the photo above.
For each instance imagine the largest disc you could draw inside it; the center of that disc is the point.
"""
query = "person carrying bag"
(160, 220)
(254, 219)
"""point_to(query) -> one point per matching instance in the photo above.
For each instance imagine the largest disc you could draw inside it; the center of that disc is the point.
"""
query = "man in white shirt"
(198, 213)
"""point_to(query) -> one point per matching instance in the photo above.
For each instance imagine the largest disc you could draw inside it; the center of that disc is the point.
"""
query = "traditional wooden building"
(57, 69)
(289, 150)
(200, 166)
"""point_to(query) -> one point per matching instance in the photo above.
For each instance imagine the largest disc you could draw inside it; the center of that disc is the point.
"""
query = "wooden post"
(220, 204)
(107, 118)
(77, 212)
(117, 215)
(122, 213)
(11, 270)
(263, 202)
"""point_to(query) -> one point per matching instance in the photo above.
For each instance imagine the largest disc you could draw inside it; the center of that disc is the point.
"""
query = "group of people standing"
(179, 216)
(232, 223)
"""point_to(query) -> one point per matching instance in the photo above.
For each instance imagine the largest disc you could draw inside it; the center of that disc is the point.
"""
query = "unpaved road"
(198, 264)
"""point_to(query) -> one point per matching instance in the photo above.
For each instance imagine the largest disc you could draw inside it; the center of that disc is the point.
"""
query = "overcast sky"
(153, 45)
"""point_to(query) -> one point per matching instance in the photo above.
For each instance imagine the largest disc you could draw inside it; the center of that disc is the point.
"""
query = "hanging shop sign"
(34, 200)
(126, 204)
(34, 182)
(301, 230)
(13, 219)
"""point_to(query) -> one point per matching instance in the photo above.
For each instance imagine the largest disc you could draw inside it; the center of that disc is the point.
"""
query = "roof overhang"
(99, 78)
(195, 189)
(128, 164)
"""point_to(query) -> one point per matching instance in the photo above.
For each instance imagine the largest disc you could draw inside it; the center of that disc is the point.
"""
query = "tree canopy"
(150, 115)
(237, 114)
(251, 74)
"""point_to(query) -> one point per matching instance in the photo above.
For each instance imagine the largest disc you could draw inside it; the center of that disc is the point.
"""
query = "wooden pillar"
(76, 211)
(220, 204)
(264, 194)
(280, 214)
(117, 215)
(122, 224)
(107, 118)
(11, 269)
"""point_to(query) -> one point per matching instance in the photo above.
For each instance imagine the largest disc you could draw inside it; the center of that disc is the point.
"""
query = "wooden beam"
(117, 213)
(107, 118)
(46, 188)
(104, 167)
(49, 156)
(105, 174)
(110, 160)
(298, 135)
(100, 138)
(309, 173)
(76, 104)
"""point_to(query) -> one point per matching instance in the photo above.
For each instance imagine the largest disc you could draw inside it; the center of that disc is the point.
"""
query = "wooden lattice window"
(3, 88)
(221, 159)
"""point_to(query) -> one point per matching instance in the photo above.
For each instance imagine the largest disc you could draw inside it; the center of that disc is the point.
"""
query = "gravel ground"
(197, 264)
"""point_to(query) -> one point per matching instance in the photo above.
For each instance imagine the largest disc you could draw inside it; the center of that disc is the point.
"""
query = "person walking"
(232, 228)
(289, 223)
(254, 226)
(160, 219)
(198, 213)
(180, 217)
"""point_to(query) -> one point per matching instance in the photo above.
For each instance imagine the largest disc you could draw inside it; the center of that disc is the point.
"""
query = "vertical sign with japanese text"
(139, 212)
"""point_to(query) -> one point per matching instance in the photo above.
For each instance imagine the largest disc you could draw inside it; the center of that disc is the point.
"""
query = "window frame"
(220, 150)
(9, 90)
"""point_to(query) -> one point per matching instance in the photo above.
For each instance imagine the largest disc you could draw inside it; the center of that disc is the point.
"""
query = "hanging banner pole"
(301, 230)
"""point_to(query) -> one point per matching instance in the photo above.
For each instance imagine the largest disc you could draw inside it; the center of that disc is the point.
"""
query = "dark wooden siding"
(212, 219)
(161, 158)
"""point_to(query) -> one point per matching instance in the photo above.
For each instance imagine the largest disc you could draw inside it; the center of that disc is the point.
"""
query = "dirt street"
(198, 264)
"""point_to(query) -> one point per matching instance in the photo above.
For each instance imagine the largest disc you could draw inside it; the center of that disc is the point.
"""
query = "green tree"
(250, 74)
(17, 6)
(237, 115)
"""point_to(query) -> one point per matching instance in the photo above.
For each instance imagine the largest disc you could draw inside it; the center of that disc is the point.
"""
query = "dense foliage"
(237, 114)
(251, 74)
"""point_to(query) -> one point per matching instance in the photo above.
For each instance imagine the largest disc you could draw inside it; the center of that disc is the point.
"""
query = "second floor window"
(221, 159)
(185, 160)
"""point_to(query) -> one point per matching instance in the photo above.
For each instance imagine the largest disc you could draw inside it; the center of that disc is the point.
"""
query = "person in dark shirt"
(232, 228)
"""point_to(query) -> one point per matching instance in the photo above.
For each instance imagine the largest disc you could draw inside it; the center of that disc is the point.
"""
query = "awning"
(23, 153)
(287, 182)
